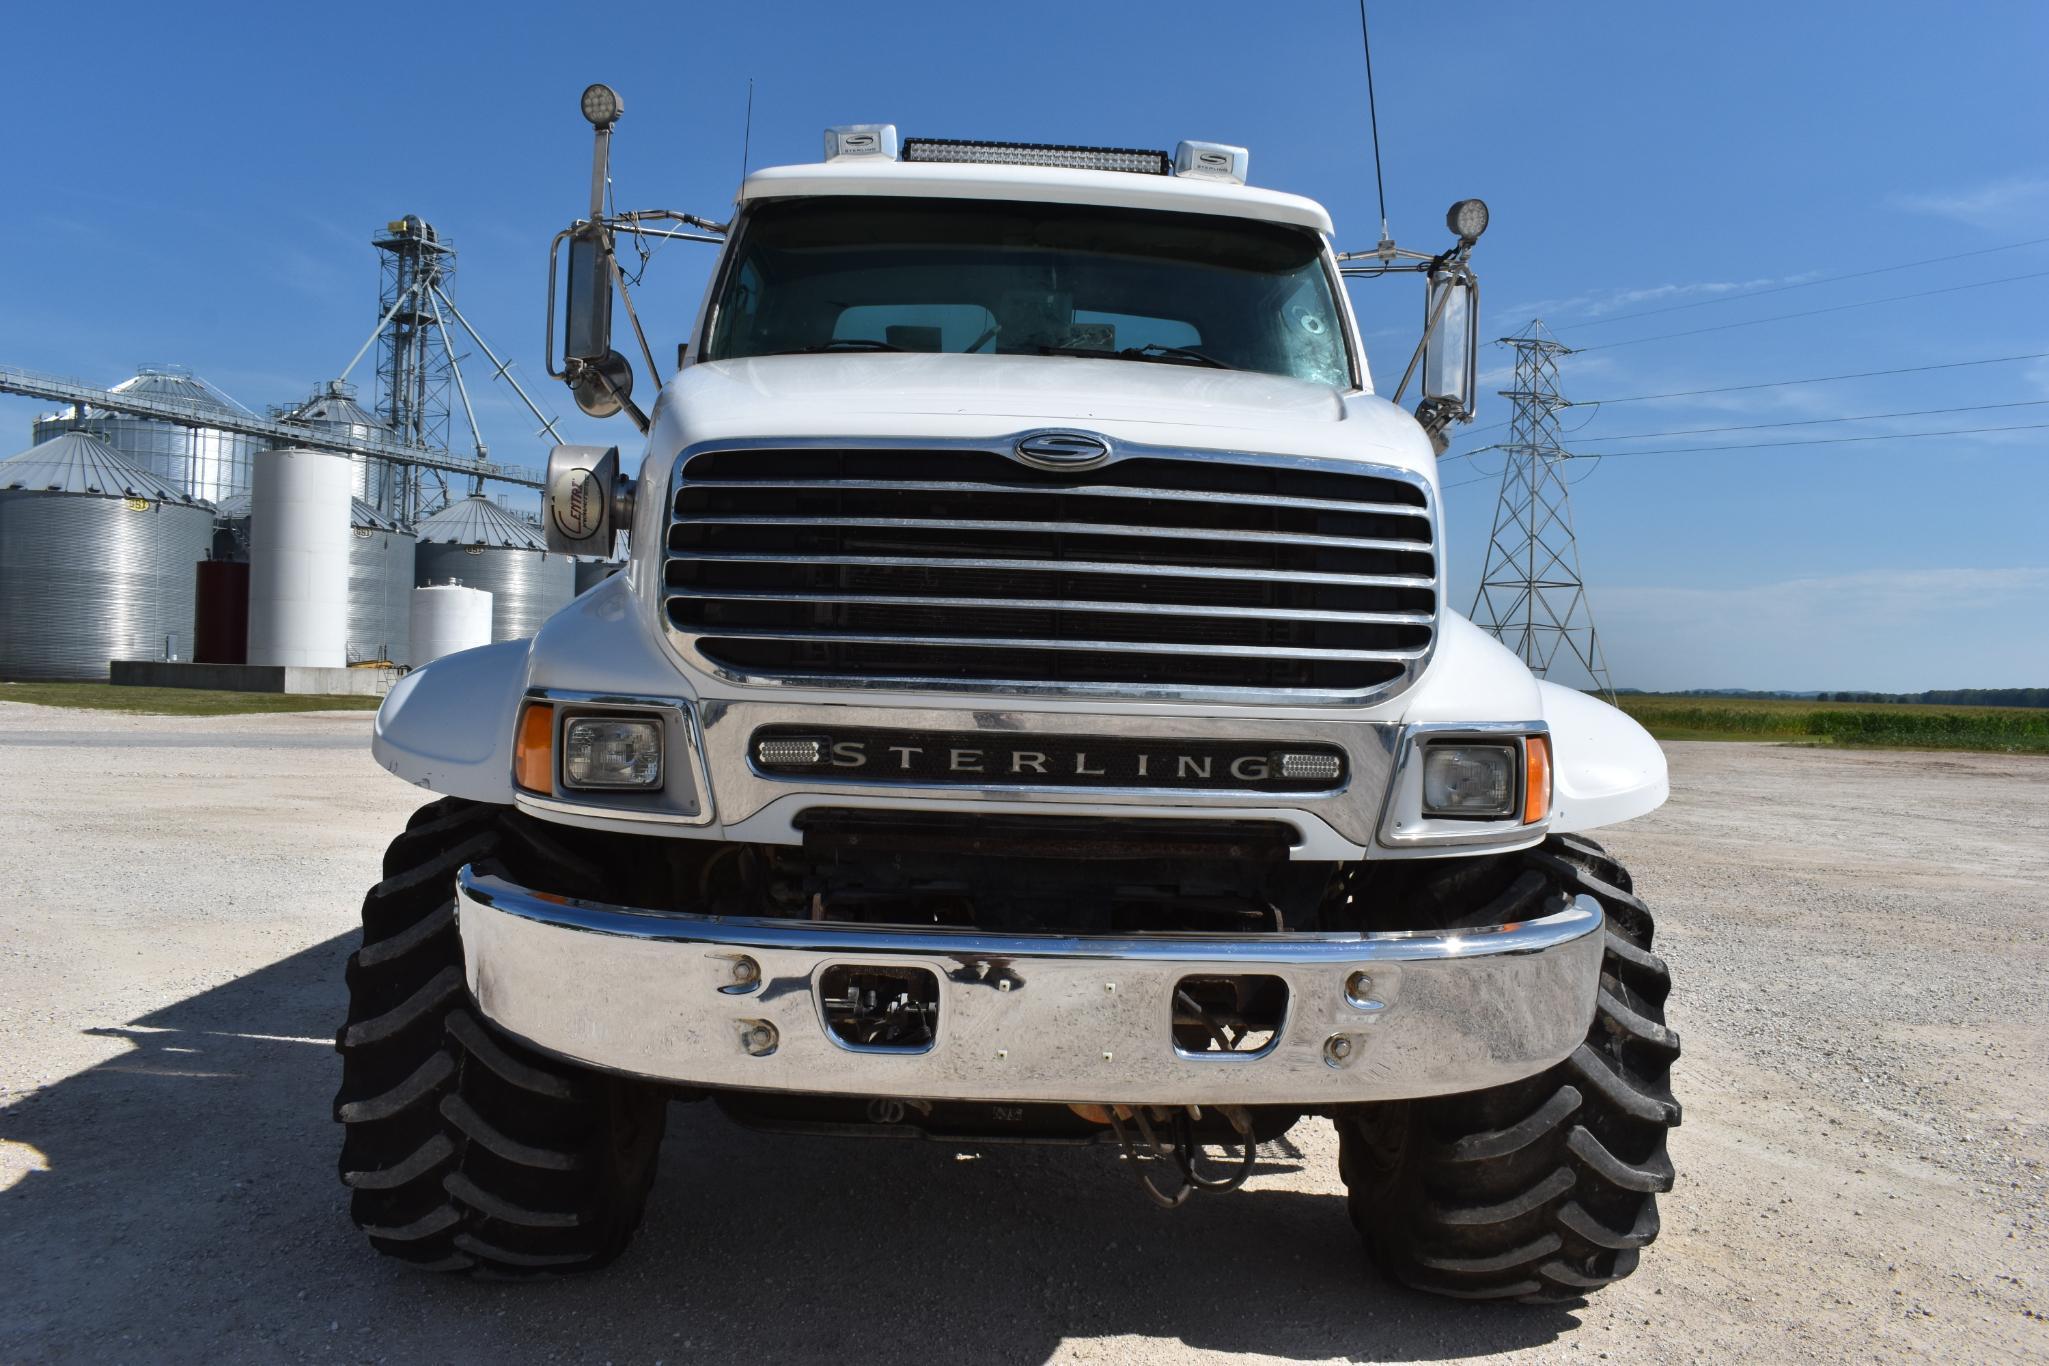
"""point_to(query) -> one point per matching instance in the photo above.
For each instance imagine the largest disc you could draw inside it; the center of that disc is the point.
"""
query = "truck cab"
(1030, 711)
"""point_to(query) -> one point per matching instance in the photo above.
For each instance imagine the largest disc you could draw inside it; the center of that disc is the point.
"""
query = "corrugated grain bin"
(478, 544)
(591, 573)
(205, 462)
(96, 561)
(380, 587)
(446, 618)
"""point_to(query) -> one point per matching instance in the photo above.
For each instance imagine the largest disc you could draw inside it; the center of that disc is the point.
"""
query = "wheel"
(464, 1150)
(1546, 1188)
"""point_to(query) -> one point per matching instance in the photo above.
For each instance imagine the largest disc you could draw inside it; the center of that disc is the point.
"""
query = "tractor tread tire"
(464, 1150)
(1544, 1189)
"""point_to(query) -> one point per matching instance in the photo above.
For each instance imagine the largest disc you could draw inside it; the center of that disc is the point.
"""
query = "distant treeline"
(1950, 697)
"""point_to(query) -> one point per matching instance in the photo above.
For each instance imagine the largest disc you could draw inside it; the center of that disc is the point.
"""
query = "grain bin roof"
(476, 520)
(78, 462)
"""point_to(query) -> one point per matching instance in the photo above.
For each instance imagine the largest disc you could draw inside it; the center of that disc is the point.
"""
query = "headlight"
(1473, 781)
(604, 751)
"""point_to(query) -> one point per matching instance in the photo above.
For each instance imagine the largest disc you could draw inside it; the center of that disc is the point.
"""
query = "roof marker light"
(1218, 161)
(861, 142)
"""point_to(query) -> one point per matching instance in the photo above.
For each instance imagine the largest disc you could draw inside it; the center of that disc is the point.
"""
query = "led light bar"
(1306, 767)
(788, 753)
(1127, 159)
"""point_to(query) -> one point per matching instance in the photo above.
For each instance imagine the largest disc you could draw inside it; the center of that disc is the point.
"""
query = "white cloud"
(1892, 630)
(1996, 204)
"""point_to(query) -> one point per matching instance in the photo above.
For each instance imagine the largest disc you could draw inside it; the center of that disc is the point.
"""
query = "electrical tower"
(1531, 596)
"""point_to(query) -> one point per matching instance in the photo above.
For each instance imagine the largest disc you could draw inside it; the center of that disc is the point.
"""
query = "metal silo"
(333, 408)
(478, 544)
(96, 561)
(380, 586)
(591, 573)
(205, 462)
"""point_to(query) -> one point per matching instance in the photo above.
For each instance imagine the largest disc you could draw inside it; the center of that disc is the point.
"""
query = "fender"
(447, 726)
(1606, 767)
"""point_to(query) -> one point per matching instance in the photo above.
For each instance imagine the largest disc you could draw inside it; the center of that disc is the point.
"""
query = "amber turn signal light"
(1536, 778)
(533, 749)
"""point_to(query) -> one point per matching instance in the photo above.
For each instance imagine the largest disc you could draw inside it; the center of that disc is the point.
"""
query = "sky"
(199, 186)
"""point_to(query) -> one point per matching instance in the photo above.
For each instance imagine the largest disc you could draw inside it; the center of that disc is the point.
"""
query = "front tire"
(1546, 1188)
(463, 1149)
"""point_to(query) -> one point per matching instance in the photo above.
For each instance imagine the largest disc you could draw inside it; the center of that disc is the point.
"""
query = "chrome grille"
(1157, 575)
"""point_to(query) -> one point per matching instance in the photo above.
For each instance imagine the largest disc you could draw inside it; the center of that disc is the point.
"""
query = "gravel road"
(1858, 940)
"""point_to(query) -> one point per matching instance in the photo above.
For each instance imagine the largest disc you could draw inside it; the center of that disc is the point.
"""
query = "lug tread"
(405, 941)
(1574, 1216)
(505, 1256)
(465, 1028)
(1612, 1089)
(477, 1129)
(437, 1068)
(1562, 1274)
(1509, 1260)
(416, 1164)
(1557, 1183)
(1497, 1143)
(1636, 1026)
(1653, 1176)
(437, 1220)
(463, 1188)
(405, 1014)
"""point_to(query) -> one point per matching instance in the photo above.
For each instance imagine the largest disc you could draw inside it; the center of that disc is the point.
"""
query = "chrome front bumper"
(1027, 1017)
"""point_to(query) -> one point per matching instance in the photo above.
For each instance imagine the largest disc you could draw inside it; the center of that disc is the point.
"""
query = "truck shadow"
(181, 1204)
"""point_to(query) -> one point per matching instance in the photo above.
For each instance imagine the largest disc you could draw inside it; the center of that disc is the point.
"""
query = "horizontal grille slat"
(1240, 578)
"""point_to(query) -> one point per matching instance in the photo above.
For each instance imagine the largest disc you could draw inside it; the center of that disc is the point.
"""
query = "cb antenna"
(1386, 247)
(747, 131)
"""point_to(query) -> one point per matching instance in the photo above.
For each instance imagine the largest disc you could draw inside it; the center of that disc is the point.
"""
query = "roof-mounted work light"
(1468, 219)
(602, 105)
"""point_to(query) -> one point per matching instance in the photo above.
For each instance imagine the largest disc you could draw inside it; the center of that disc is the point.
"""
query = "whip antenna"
(1373, 120)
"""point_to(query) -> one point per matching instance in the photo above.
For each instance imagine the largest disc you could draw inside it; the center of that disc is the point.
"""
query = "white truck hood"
(983, 397)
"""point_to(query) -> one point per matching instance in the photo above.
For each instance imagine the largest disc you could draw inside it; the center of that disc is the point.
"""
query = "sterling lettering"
(916, 757)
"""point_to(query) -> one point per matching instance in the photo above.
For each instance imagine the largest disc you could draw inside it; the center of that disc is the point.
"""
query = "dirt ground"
(1858, 940)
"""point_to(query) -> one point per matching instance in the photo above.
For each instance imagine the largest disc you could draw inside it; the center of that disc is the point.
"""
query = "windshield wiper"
(1152, 351)
(838, 344)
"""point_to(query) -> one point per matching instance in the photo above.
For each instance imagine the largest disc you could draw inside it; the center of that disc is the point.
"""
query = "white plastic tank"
(299, 538)
(448, 617)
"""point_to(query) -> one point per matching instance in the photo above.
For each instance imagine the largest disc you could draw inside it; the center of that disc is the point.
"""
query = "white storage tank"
(96, 561)
(475, 542)
(299, 559)
(448, 617)
(333, 409)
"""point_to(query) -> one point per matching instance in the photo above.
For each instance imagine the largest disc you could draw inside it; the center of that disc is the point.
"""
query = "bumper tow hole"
(1238, 1015)
(880, 1009)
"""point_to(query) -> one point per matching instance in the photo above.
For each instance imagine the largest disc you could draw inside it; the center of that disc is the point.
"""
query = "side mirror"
(587, 502)
(1451, 346)
(587, 311)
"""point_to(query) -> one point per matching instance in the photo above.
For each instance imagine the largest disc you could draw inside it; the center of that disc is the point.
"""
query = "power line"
(1818, 379)
(1806, 284)
(1817, 312)
(1373, 117)
(1828, 441)
(1821, 421)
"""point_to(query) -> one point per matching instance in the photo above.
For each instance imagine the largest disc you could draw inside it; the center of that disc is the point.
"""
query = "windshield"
(866, 273)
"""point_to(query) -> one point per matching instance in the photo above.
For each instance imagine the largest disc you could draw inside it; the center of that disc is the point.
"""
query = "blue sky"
(198, 185)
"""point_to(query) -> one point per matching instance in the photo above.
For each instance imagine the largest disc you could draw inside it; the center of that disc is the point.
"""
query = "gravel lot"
(1858, 940)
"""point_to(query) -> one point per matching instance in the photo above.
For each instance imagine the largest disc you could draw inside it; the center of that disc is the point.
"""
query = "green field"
(175, 701)
(1887, 725)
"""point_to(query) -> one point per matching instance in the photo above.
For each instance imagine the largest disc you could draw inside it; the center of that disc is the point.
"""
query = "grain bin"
(205, 462)
(591, 573)
(478, 544)
(299, 559)
(380, 586)
(446, 618)
(96, 561)
(333, 410)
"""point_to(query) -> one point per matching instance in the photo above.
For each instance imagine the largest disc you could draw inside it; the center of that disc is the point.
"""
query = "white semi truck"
(1029, 712)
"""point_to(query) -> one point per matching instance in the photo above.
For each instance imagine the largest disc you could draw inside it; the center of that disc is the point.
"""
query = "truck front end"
(1029, 711)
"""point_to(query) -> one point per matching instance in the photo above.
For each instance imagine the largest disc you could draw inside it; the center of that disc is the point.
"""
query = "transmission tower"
(1531, 596)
